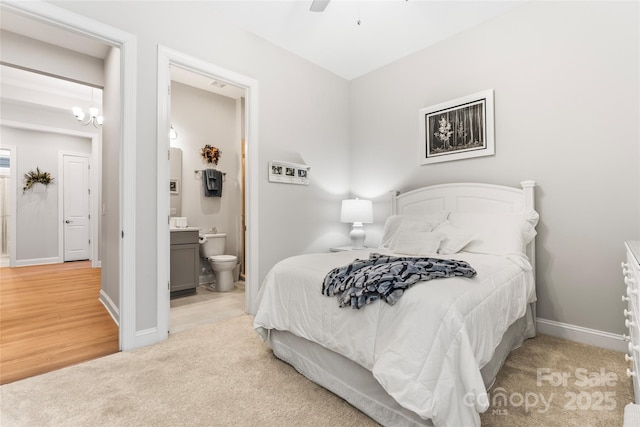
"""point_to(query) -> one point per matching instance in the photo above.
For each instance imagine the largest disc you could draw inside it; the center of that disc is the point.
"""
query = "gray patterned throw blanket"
(386, 277)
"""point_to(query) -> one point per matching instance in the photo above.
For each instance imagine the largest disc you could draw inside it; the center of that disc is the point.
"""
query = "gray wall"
(110, 197)
(37, 209)
(37, 55)
(303, 115)
(565, 76)
(566, 82)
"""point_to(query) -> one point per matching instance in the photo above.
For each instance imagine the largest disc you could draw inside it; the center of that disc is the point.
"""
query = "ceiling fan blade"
(319, 5)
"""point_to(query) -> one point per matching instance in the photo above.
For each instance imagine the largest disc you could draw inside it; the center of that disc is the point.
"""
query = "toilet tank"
(212, 244)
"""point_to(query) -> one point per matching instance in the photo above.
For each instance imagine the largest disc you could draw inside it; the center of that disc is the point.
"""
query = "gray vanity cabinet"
(185, 261)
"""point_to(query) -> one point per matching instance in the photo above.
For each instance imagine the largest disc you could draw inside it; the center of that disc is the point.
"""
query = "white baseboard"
(112, 309)
(37, 261)
(146, 337)
(582, 335)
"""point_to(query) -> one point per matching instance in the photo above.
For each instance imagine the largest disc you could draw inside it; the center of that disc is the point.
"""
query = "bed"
(429, 358)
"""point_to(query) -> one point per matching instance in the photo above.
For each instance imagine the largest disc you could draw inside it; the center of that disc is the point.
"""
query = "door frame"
(13, 200)
(166, 59)
(127, 43)
(94, 200)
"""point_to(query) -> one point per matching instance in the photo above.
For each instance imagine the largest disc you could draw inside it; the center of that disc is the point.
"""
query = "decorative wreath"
(33, 177)
(211, 154)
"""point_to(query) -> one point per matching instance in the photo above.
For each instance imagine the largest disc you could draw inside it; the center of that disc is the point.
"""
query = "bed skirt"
(357, 385)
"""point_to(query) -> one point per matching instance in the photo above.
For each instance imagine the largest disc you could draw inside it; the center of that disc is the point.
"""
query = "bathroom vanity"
(185, 261)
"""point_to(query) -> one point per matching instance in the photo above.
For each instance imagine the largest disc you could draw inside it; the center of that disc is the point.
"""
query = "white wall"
(201, 118)
(37, 218)
(303, 115)
(565, 76)
(110, 189)
(37, 55)
(566, 81)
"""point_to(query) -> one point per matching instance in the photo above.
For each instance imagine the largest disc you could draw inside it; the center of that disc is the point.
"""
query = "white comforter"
(427, 349)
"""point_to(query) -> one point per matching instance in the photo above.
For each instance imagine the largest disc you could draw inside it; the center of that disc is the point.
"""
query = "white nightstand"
(344, 249)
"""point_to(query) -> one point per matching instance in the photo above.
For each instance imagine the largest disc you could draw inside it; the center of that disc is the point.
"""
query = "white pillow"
(454, 239)
(416, 243)
(408, 226)
(497, 234)
(393, 222)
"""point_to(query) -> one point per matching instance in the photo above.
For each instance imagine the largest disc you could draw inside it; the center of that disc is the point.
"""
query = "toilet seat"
(223, 258)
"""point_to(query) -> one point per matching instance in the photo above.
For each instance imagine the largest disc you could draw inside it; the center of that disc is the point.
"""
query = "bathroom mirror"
(175, 179)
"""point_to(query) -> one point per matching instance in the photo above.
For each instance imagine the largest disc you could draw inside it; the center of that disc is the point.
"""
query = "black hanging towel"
(212, 183)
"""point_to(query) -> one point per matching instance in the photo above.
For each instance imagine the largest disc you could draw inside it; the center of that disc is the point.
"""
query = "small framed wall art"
(458, 129)
(174, 186)
(288, 173)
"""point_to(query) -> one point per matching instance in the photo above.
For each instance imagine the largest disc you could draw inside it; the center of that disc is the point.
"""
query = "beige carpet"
(553, 382)
(223, 375)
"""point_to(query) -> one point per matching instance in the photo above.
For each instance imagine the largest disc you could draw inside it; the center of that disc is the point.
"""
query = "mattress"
(357, 385)
(425, 351)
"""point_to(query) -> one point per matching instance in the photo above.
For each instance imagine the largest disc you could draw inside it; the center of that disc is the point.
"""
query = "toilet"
(212, 250)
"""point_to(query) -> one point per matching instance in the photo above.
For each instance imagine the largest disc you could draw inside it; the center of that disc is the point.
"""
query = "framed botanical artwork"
(458, 129)
(288, 173)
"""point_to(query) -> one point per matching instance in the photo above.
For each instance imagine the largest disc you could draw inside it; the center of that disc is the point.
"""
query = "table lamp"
(357, 211)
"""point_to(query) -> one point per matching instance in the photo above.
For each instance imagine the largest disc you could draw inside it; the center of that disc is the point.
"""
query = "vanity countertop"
(185, 229)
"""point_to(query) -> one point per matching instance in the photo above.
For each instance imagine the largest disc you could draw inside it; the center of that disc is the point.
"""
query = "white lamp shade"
(356, 210)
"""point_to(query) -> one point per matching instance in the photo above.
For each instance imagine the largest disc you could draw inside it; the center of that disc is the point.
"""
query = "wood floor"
(50, 317)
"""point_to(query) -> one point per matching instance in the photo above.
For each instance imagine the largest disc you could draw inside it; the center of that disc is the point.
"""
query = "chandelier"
(92, 117)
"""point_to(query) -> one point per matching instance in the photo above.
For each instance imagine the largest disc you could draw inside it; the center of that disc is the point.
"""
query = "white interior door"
(76, 208)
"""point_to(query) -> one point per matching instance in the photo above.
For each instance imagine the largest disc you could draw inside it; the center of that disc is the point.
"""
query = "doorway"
(205, 112)
(168, 58)
(48, 18)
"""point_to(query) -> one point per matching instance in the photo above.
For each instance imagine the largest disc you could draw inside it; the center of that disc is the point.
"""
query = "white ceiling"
(350, 38)
(388, 29)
